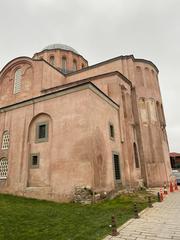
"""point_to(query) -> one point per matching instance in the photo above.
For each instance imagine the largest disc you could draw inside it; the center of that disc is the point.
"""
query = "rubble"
(85, 195)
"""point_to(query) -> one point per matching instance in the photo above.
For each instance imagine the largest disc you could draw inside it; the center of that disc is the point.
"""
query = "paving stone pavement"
(157, 223)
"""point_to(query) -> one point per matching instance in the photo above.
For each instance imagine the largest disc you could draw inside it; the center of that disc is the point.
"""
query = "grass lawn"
(29, 219)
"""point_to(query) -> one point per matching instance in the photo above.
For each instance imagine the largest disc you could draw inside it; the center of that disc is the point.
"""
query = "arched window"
(52, 60)
(74, 65)
(5, 140)
(82, 65)
(3, 168)
(136, 155)
(17, 81)
(64, 64)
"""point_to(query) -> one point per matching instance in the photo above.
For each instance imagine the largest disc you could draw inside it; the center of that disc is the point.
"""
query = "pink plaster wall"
(77, 152)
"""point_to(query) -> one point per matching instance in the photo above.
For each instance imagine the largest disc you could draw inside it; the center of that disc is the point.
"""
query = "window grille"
(5, 140)
(3, 168)
(17, 81)
(35, 160)
(116, 167)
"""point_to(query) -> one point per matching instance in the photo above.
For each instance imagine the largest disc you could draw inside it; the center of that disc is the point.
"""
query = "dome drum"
(63, 57)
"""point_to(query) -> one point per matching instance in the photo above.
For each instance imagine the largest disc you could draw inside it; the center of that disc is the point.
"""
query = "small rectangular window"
(116, 167)
(3, 168)
(111, 130)
(34, 160)
(42, 132)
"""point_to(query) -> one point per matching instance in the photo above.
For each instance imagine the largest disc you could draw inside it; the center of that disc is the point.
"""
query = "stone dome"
(61, 47)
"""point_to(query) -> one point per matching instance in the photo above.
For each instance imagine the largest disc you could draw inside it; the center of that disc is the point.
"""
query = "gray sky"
(99, 30)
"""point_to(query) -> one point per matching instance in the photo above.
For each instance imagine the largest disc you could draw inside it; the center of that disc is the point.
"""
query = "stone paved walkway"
(157, 223)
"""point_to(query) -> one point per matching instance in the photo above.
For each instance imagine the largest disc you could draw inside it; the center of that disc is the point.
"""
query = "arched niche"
(39, 150)
(139, 76)
(143, 110)
(148, 79)
(39, 118)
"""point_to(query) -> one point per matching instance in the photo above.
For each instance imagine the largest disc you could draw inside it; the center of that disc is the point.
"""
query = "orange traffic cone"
(175, 184)
(161, 194)
(171, 187)
(165, 189)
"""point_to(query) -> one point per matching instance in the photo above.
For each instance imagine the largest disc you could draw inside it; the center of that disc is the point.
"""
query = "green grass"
(29, 219)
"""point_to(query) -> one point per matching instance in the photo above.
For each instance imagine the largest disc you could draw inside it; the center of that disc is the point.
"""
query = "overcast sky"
(99, 30)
